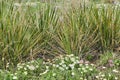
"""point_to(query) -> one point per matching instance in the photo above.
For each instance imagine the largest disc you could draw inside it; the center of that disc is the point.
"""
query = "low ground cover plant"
(67, 67)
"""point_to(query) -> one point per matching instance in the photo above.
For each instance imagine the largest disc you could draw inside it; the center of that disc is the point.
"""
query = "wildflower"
(61, 68)
(15, 73)
(62, 61)
(23, 64)
(116, 78)
(83, 68)
(7, 65)
(44, 62)
(47, 67)
(54, 65)
(105, 79)
(71, 65)
(19, 67)
(50, 63)
(25, 72)
(66, 58)
(103, 75)
(91, 69)
(72, 59)
(18, 64)
(3, 58)
(54, 74)
(44, 72)
(115, 71)
(71, 55)
(77, 57)
(57, 65)
(110, 61)
(97, 77)
(37, 66)
(111, 64)
(81, 72)
(92, 65)
(100, 73)
(109, 75)
(103, 67)
(85, 71)
(79, 68)
(81, 61)
(25, 68)
(73, 74)
(87, 62)
(15, 77)
(77, 61)
(117, 64)
(31, 67)
(32, 61)
(80, 64)
(87, 67)
(64, 65)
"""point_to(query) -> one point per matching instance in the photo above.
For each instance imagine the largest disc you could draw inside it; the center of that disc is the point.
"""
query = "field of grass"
(59, 40)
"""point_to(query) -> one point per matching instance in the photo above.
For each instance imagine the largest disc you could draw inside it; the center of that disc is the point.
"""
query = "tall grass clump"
(27, 29)
(88, 28)
(23, 31)
(107, 20)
